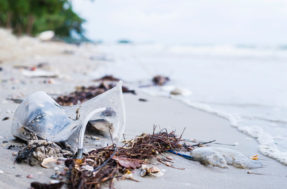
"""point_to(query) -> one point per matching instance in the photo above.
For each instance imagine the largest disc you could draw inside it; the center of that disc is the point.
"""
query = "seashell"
(153, 169)
(150, 170)
(49, 162)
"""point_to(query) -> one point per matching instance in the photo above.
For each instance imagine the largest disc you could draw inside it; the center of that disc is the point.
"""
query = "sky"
(262, 22)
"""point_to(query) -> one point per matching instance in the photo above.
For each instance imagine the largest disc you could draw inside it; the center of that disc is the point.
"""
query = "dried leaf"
(128, 163)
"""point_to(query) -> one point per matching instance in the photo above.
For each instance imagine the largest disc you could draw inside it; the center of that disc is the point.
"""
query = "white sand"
(141, 116)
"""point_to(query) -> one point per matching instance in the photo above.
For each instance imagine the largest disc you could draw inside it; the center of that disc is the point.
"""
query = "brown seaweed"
(105, 164)
(83, 93)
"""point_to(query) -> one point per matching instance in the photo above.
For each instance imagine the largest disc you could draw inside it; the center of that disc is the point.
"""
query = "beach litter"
(55, 134)
(106, 164)
(160, 80)
(134, 158)
(222, 157)
(82, 93)
(39, 118)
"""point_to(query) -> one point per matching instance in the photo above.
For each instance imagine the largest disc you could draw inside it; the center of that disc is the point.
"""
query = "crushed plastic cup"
(40, 115)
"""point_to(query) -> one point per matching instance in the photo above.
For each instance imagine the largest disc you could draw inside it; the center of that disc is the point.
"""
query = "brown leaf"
(128, 162)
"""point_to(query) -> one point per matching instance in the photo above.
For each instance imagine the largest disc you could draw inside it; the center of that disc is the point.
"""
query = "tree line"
(34, 16)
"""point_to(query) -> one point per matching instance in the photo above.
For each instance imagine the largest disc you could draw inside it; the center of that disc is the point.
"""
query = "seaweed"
(106, 164)
(83, 93)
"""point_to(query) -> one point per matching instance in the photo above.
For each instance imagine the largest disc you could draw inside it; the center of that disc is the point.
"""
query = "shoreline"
(171, 114)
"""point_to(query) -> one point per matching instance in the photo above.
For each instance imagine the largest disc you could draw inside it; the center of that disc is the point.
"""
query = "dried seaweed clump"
(83, 93)
(106, 164)
(160, 80)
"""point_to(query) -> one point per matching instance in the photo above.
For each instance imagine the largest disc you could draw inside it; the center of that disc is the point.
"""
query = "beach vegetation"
(32, 17)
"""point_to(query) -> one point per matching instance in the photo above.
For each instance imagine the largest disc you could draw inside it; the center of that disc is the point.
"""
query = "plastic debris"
(40, 117)
(222, 157)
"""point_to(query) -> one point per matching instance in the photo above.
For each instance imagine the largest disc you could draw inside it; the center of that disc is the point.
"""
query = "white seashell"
(49, 162)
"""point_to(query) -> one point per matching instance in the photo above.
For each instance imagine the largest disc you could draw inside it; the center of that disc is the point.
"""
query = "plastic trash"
(221, 157)
(40, 115)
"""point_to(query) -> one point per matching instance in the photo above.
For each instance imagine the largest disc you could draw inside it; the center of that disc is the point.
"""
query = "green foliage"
(34, 16)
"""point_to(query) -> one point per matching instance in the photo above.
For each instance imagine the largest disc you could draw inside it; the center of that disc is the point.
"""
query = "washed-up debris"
(110, 162)
(221, 157)
(40, 117)
(160, 80)
(83, 93)
(39, 73)
(38, 150)
(147, 170)
(38, 185)
(42, 65)
(16, 146)
(107, 78)
(128, 162)
(49, 162)
(254, 173)
(40, 70)
(5, 118)
(15, 100)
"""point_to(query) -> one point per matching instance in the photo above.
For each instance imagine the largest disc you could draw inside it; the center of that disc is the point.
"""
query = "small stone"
(17, 175)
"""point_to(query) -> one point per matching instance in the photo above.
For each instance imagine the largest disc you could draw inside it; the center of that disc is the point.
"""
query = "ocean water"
(244, 84)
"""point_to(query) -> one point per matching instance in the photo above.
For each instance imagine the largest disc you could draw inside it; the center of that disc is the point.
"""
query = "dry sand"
(73, 67)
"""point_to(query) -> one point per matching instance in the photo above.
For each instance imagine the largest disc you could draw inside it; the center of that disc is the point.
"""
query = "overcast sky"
(186, 21)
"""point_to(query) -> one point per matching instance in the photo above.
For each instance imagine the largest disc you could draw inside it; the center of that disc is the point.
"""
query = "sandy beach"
(72, 66)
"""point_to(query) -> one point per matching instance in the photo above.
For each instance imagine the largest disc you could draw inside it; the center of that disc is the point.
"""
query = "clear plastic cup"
(40, 115)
